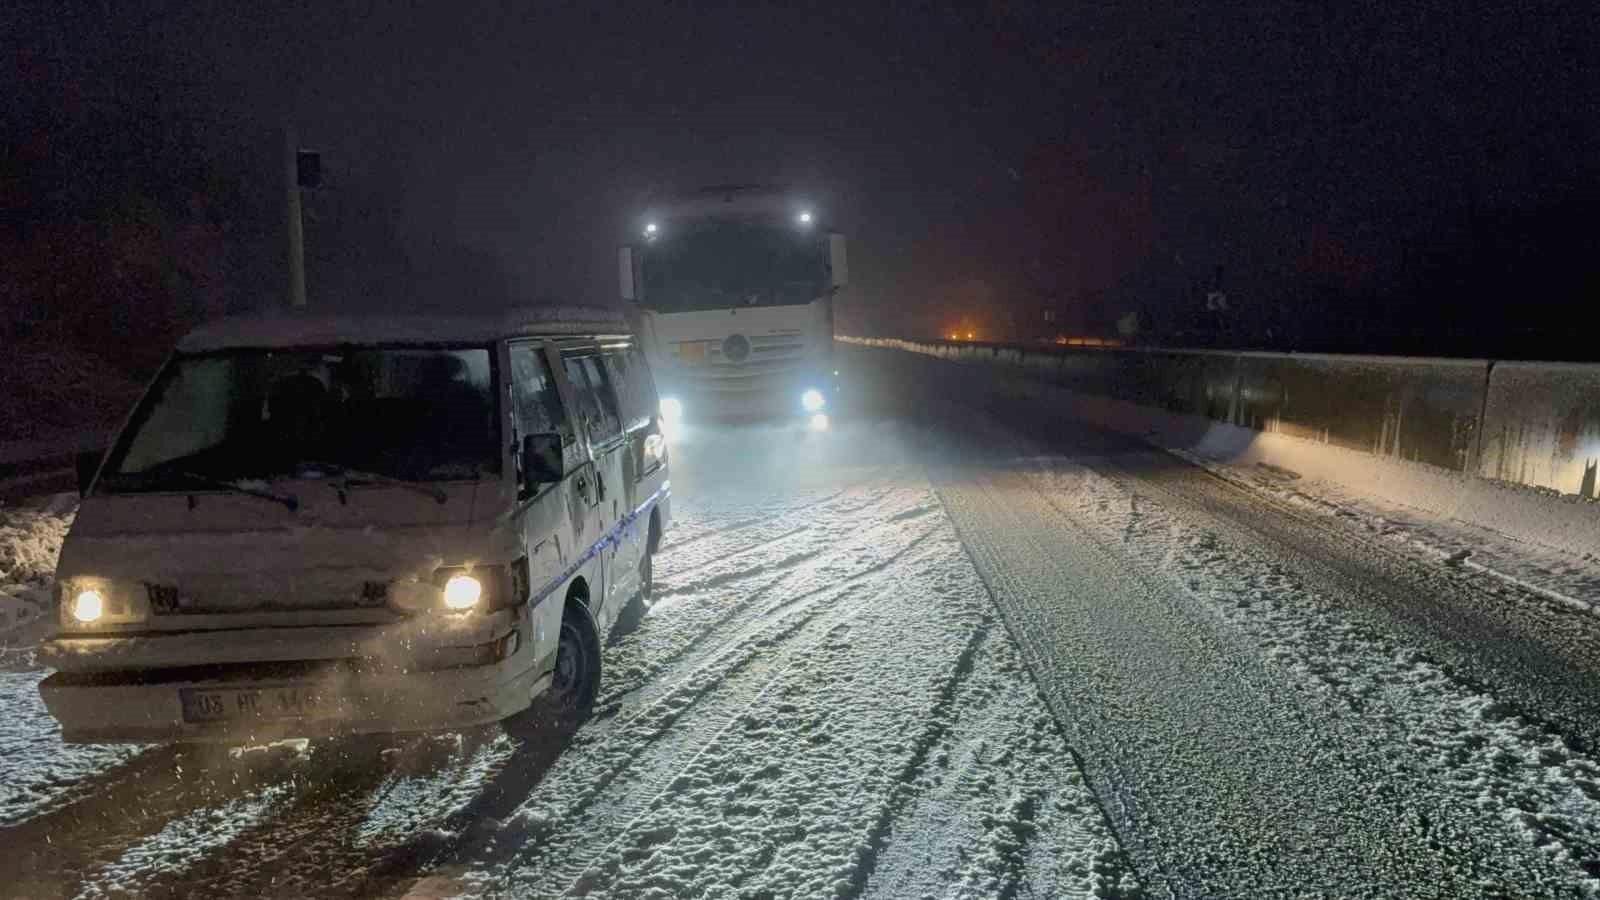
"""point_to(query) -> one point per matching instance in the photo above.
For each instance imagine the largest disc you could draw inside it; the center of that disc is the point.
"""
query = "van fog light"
(462, 592)
(88, 606)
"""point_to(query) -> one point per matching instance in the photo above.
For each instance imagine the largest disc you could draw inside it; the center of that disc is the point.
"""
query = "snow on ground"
(37, 772)
(1560, 576)
(30, 541)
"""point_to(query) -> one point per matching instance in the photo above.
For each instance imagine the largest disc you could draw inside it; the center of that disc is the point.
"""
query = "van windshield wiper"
(290, 501)
(348, 476)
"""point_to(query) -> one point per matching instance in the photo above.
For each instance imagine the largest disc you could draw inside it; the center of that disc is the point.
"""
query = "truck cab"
(734, 289)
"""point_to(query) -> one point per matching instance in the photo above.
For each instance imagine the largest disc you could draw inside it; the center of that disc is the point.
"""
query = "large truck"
(733, 289)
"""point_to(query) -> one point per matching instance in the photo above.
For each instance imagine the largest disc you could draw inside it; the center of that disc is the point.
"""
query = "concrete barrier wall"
(1530, 424)
(1542, 426)
(1423, 410)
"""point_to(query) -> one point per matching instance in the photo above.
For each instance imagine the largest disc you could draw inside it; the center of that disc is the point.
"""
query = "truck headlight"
(462, 592)
(812, 400)
(88, 606)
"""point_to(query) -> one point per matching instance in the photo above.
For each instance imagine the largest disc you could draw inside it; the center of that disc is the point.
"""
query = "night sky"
(1319, 162)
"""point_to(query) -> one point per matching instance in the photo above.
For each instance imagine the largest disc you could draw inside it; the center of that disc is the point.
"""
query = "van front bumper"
(264, 702)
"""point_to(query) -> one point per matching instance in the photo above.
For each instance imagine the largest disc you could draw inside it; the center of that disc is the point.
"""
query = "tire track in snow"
(798, 790)
(47, 855)
(1003, 809)
(661, 626)
(750, 618)
(302, 843)
(735, 554)
(837, 620)
(764, 519)
(940, 720)
(676, 725)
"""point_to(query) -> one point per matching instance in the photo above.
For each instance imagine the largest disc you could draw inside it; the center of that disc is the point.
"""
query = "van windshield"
(411, 413)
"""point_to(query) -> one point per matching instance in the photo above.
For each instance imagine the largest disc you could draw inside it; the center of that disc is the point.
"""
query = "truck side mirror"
(625, 273)
(86, 463)
(542, 460)
(837, 263)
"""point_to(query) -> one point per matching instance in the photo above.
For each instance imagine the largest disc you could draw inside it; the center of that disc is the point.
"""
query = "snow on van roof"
(288, 329)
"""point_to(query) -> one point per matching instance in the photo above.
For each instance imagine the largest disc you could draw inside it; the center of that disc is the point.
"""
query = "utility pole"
(297, 245)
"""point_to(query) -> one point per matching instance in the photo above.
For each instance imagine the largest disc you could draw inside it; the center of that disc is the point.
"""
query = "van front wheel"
(576, 680)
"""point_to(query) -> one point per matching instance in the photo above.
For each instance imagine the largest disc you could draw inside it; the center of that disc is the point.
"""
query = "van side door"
(644, 465)
(601, 426)
(542, 511)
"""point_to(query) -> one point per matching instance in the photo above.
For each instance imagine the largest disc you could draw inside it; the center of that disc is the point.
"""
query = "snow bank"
(30, 541)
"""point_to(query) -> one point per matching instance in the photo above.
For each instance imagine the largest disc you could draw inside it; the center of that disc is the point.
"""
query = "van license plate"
(201, 705)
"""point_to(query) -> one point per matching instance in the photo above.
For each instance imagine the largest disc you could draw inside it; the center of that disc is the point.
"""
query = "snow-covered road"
(963, 650)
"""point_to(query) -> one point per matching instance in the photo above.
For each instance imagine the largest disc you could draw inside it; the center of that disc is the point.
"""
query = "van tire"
(576, 680)
(647, 579)
(631, 615)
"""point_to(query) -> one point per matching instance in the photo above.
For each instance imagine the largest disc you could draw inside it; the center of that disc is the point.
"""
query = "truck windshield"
(719, 265)
(408, 413)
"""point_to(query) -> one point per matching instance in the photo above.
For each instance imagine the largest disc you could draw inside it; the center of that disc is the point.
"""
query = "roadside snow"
(30, 541)
(1566, 578)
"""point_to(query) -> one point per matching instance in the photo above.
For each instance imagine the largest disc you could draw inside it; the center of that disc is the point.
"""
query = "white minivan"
(323, 525)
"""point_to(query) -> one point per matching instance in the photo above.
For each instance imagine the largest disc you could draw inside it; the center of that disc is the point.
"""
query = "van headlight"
(812, 400)
(464, 589)
(88, 606)
(462, 592)
(88, 602)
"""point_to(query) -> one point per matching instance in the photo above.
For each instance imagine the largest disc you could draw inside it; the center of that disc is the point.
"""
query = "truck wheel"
(576, 680)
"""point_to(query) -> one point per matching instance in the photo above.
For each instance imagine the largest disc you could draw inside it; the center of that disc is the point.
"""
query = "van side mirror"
(542, 459)
(625, 273)
(837, 264)
(86, 463)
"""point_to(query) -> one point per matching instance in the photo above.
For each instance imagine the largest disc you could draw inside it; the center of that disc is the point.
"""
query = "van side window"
(538, 405)
(596, 401)
(635, 392)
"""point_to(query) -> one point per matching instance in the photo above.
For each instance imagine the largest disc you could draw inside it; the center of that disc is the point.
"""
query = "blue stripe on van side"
(610, 537)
